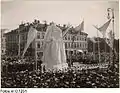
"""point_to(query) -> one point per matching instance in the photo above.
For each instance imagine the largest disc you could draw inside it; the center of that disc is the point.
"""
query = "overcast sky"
(61, 12)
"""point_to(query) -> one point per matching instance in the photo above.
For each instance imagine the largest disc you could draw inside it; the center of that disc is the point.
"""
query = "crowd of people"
(69, 78)
(90, 58)
(92, 78)
(15, 64)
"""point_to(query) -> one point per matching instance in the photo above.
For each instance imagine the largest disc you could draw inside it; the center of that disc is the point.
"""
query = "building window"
(70, 45)
(23, 37)
(73, 45)
(84, 38)
(2, 51)
(42, 43)
(43, 35)
(77, 45)
(9, 38)
(1, 40)
(26, 37)
(80, 38)
(77, 38)
(65, 45)
(85, 45)
(68, 37)
(38, 45)
(38, 36)
(65, 37)
(80, 45)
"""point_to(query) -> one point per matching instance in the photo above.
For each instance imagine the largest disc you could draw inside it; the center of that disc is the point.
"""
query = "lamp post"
(111, 10)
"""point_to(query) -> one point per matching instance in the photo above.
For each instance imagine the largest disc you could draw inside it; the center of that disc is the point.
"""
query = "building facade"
(80, 43)
(3, 42)
(12, 42)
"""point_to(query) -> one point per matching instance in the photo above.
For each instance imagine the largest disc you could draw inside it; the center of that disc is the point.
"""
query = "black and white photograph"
(59, 44)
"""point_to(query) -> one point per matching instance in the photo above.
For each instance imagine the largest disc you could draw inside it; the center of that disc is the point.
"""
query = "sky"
(14, 12)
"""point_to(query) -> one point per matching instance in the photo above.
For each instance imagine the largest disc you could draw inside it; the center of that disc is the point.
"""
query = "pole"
(113, 35)
(98, 48)
(93, 51)
(110, 55)
(71, 51)
(19, 43)
(112, 10)
(35, 55)
(105, 47)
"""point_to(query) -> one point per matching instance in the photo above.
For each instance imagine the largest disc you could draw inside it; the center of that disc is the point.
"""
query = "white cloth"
(54, 49)
(31, 36)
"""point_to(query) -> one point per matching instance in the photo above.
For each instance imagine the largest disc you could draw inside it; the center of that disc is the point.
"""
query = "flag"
(31, 36)
(104, 27)
(110, 35)
(80, 27)
(110, 40)
(93, 40)
(67, 30)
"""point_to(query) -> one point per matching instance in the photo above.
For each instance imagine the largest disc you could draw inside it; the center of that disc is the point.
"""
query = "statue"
(54, 50)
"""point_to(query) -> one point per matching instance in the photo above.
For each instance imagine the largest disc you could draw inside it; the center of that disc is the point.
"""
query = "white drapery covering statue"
(54, 50)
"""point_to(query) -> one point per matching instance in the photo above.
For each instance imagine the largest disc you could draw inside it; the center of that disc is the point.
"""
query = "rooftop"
(24, 27)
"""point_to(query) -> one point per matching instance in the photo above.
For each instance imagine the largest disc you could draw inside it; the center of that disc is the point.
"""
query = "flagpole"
(93, 51)
(113, 35)
(98, 47)
(105, 47)
(71, 51)
(35, 55)
(112, 10)
(19, 43)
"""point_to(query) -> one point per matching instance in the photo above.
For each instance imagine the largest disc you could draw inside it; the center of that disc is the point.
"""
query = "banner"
(31, 36)
(110, 40)
(103, 28)
(80, 27)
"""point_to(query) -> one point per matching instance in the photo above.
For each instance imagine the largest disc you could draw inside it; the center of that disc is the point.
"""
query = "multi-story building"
(80, 43)
(3, 42)
(12, 41)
